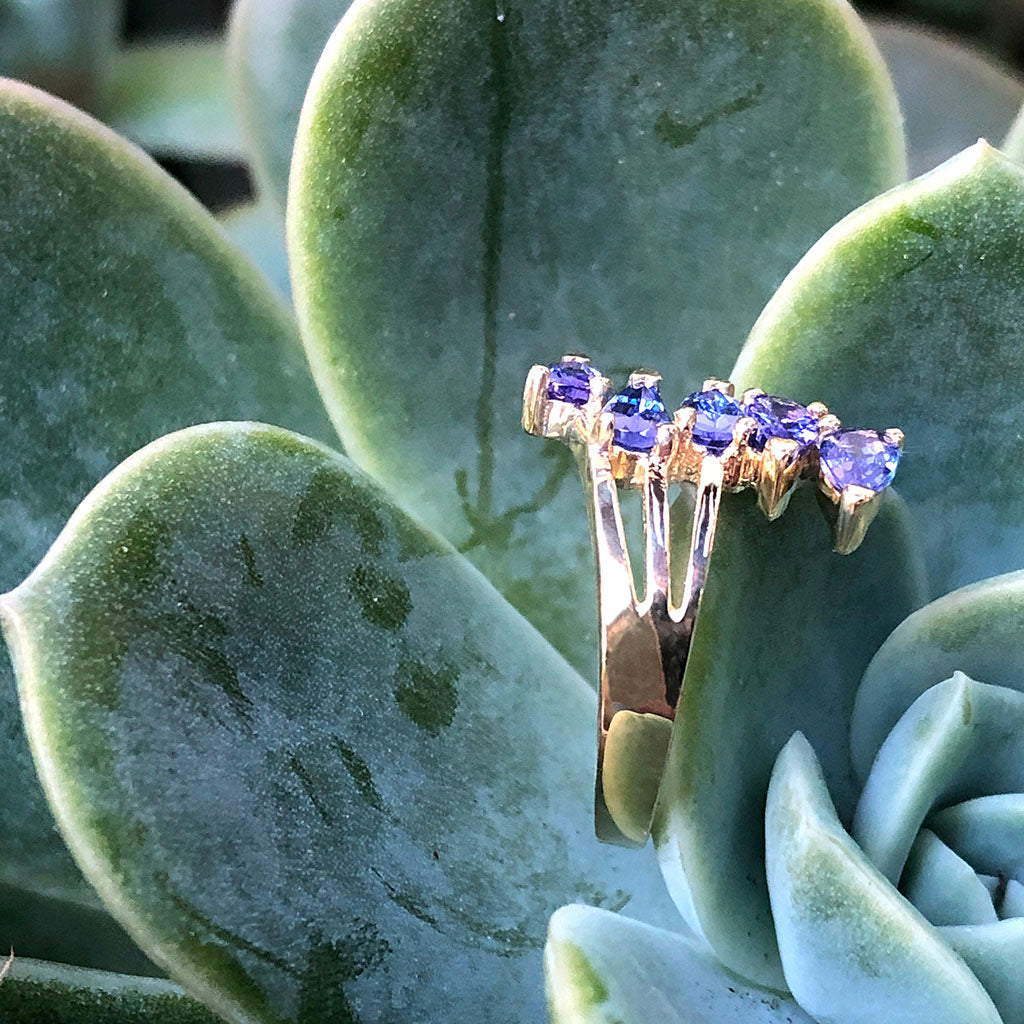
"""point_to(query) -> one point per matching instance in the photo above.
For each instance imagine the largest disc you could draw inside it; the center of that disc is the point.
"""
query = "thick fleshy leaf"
(125, 314)
(976, 630)
(604, 969)
(314, 763)
(908, 314)
(478, 187)
(988, 831)
(59, 45)
(994, 952)
(943, 886)
(785, 631)
(854, 950)
(173, 99)
(950, 95)
(273, 49)
(33, 992)
(257, 229)
(958, 741)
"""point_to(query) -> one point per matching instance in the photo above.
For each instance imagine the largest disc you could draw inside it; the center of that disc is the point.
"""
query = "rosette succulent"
(301, 736)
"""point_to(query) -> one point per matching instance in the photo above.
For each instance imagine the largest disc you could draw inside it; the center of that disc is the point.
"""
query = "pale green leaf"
(309, 758)
(604, 969)
(172, 98)
(480, 187)
(854, 950)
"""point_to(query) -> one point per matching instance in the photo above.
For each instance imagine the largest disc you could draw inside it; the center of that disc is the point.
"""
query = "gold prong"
(818, 409)
(576, 357)
(828, 424)
(662, 449)
(894, 436)
(750, 394)
(685, 419)
(535, 397)
(644, 379)
(780, 470)
(851, 513)
(714, 384)
(742, 430)
(604, 431)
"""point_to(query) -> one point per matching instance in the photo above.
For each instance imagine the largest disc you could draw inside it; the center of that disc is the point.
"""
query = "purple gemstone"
(862, 458)
(569, 381)
(638, 412)
(780, 417)
(717, 414)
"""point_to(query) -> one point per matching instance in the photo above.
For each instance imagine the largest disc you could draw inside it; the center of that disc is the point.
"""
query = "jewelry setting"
(716, 442)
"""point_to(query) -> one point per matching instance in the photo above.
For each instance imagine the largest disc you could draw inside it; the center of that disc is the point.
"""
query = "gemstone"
(717, 414)
(638, 412)
(780, 417)
(569, 381)
(862, 458)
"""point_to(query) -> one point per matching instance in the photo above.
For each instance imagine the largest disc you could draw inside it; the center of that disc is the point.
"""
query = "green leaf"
(35, 991)
(976, 630)
(950, 94)
(854, 950)
(309, 758)
(256, 228)
(604, 969)
(480, 186)
(785, 631)
(125, 314)
(63, 46)
(273, 50)
(172, 98)
(907, 314)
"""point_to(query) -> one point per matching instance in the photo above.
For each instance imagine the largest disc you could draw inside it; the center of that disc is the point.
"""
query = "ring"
(715, 442)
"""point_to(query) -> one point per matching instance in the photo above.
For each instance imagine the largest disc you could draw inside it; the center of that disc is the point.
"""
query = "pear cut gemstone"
(570, 381)
(781, 417)
(861, 458)
(638, 413)
(717, 415)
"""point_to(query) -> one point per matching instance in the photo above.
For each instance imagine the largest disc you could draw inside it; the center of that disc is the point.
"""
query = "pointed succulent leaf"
(994, 952)
(478, 187)
(950, 94)
(62, 46)
(906, 314)
(173, 99)
(975, 629)
(123, 314)
(785, 630)
(273, 50)
(36, 991)
(853, 949)
(601, 968)
(238, 654)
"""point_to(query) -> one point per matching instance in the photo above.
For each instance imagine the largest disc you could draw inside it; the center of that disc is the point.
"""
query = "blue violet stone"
(717, 414)
(569, 381)
(638, 412)
(862, 458)
(780, 417)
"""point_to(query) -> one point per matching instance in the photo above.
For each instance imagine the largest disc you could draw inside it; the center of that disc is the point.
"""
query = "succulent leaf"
(310, 759)
(173, 99)
(273, 49)
(37, 991)
(601, 968)
(976, 630)
(950, 94)
(785, 631)
(907, 314)
(477, 187)
(853, 949)
(125, 315)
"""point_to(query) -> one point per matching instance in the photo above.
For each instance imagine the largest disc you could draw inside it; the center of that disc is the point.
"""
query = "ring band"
(716, 443)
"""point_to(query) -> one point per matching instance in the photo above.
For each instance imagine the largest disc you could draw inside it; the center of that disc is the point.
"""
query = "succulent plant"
(316, 729)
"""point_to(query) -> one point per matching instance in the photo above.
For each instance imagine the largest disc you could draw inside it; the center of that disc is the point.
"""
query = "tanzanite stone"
(862, 458)
(780, 417)
(717, 414)
(638, 412)
(569, 381)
